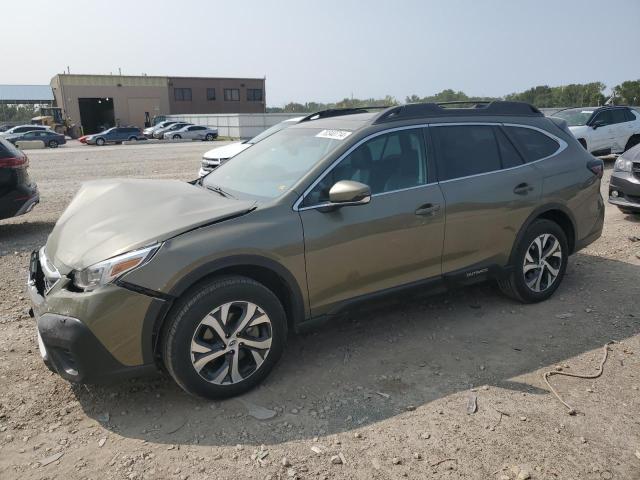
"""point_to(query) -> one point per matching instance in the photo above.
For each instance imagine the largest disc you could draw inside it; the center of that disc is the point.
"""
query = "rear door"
(489, 191)
(394, 240)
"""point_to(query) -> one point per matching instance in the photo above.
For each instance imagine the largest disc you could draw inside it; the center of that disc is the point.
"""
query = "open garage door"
(96, 114)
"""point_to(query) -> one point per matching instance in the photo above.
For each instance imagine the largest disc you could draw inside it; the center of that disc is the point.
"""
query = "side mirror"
(347, 192)
(597, 124)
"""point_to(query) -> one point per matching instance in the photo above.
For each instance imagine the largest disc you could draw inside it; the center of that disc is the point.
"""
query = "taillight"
(14, 162)
(596, 166)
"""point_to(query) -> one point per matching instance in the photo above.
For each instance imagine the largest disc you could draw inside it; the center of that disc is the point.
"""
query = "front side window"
(386, 163)
(182, 94)
(254, 94)
(271, 167)
(231, 95)
(603, 118)
(465, 150)
(211, 94)
(533, 144)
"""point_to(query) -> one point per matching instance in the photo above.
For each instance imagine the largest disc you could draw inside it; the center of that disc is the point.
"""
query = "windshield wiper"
(219, 191)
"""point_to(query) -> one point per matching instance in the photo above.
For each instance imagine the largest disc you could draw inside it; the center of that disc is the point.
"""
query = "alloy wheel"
(231, 343)
(542, 262)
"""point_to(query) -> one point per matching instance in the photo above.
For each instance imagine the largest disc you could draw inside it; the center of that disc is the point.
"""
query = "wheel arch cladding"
(555, 213)
(263, 270)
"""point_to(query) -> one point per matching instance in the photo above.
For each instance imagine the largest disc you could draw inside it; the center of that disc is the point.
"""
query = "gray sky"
(327, 50)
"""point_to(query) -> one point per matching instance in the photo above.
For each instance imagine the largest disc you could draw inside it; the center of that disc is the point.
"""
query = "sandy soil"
(380, 394)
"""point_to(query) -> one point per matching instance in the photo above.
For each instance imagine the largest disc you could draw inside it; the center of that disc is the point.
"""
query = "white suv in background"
(217, 156)
(603, 130)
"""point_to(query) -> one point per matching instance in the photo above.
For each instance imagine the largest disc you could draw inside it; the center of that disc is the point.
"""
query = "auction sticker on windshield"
(334, 134)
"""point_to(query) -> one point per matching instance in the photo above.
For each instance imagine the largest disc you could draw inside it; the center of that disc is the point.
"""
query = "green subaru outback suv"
(205, 279)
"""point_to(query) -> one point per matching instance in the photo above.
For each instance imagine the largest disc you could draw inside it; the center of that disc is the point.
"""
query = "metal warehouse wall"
(236, 125)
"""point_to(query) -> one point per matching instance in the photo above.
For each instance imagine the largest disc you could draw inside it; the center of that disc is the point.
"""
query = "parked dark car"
(115, 135)
(18, 194)
(50, 138)
(624, 186)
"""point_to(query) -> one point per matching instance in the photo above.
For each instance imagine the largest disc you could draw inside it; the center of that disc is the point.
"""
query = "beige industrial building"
(99, 101)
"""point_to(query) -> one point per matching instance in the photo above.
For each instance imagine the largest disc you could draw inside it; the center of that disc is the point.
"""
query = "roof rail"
(480, 107)
(337, 112)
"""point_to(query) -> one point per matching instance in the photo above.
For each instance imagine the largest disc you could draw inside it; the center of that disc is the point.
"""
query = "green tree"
(628, 92)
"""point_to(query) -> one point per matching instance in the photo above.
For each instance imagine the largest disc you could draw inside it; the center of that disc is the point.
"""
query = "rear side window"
(464, 150)
(619, 115)
(7, 149)
(508, 153)
(630, 116)
(533, 144)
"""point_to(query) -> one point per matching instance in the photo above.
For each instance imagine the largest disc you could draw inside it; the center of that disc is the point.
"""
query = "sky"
(328, 50)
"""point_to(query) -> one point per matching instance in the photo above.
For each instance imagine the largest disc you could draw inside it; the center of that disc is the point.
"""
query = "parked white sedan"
(192, 132)
(603, 130)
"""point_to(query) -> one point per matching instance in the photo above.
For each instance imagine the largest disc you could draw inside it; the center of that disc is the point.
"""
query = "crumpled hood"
(226, 151)
(110, 217)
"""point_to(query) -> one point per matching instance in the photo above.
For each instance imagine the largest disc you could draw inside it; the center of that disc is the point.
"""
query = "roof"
(27, 93)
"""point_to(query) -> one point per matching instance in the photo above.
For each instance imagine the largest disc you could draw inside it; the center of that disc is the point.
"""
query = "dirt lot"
(381, 394)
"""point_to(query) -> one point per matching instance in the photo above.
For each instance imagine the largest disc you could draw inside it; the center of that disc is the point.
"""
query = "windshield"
(575, 116)
(271, 167)
(270, 131)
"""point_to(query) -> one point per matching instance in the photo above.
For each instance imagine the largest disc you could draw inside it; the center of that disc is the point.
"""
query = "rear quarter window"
(533, 144)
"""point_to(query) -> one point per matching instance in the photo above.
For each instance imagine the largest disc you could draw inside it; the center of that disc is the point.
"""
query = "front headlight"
(109, 270)
(622, 165)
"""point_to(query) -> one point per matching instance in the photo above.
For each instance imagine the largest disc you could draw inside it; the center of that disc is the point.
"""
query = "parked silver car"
(193, 132)
(159, 133)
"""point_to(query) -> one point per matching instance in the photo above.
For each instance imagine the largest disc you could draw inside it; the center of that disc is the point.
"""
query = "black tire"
(176, 137)
(515, 285)
(632, 142)
(133, 139)
(209, 137)
(53, 144)
(100, 142)
(184, 321)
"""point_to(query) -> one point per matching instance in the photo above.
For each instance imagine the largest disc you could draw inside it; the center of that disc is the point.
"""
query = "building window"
(231, 95)
(254, 94)
(182, 94)
(211, 93)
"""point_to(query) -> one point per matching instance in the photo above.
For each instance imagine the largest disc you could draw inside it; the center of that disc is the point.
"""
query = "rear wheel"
(100, 142)
(133, 139)
(539, 262)
(632, 142)
(53, 144)
(177, 137)
(224, 337)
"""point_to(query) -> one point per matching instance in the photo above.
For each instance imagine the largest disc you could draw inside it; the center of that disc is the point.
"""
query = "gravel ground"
(380, 394)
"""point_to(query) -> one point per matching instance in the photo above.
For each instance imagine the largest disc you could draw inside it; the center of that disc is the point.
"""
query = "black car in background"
(50, 138)
(116, 135)
(18, 194)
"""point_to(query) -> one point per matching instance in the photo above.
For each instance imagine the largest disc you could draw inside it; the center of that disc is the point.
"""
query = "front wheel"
(209, 137)
(224, 337)
(539, 262)
(100, 142)
(177, 137)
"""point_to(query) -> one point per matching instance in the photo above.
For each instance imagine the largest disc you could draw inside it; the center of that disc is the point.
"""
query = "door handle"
(522, 189)
(428, 209)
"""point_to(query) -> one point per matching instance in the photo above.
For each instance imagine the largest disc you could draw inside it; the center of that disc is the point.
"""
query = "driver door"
(602, 137)
(394, 240)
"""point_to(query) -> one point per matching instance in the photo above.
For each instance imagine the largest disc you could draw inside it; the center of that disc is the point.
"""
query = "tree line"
(572, 95)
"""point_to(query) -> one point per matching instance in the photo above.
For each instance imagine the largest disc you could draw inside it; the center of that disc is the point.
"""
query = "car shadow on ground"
(23, 236)
(376, 362)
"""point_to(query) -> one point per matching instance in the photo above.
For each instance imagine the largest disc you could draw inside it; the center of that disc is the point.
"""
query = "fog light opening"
(614, 193)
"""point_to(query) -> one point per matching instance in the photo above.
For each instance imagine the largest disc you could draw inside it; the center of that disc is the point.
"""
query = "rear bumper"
(20, 201)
